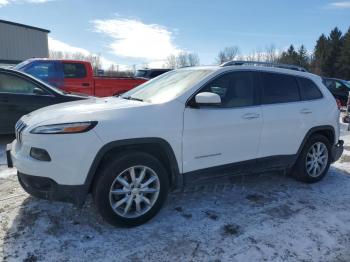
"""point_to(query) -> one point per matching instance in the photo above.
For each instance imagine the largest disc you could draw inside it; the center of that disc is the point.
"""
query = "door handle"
(85, 84)
(305, 111)
(250, 116)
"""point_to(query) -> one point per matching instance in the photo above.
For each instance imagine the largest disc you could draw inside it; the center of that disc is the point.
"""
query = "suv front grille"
(20, 126)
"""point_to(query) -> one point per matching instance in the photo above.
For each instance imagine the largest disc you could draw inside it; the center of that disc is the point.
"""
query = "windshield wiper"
(133, 98)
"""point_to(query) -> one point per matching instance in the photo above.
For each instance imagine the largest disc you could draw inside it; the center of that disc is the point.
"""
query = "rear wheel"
(314, 160)
(131, 189)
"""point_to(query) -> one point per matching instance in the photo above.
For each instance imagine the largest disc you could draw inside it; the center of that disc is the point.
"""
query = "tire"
(300, 170)
(116, 174)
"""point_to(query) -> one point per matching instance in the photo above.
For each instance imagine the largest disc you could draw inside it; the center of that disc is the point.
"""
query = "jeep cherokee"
(182, 126)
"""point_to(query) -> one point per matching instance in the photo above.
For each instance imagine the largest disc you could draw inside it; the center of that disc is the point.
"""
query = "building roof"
(25, 26)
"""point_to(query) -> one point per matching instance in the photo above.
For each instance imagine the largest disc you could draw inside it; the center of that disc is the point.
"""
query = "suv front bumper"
(46, 188)
(337, 150)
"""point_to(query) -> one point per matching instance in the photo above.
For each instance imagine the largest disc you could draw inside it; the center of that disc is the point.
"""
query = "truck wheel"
(131, 189)
(314, 160)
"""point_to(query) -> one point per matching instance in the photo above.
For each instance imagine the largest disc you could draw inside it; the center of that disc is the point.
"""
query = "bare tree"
(227, 54)
(193, 59)
(272, 55)
(171, 62)
(94, 59)
(182, 60)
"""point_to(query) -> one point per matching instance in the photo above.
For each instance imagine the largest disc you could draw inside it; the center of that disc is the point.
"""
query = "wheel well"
(328, 133)
(154, 149)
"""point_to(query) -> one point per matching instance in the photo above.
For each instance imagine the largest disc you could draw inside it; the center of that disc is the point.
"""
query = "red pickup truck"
(77, 76)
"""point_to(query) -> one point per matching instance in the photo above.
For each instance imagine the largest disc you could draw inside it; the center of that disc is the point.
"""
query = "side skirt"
(260, 165)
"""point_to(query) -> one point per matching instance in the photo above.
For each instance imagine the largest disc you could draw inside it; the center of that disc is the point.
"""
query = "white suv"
(187, 124)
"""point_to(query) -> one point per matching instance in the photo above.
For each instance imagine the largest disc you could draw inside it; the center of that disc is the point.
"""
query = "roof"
(25, 26)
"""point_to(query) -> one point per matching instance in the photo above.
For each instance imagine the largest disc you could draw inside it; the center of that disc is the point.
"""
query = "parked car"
(77, 76)
(21, 94)
(184, 126)
(150, 73)
(339, 88)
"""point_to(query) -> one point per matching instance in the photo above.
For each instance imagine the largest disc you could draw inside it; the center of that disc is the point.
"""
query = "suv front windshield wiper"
(132, 98)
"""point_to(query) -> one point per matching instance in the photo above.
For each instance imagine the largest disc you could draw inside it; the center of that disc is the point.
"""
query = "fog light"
(39, 154)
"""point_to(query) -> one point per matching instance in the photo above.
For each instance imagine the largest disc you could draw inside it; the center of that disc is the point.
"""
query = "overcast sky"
(147, 31)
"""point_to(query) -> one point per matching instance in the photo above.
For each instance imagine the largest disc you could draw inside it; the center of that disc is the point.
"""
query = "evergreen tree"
(343, 63)
(320, 55)
(303, 58)
(335, 42)
(289, 57)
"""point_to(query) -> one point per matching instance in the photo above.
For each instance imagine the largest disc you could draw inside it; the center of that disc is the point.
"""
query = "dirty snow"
(267, 217)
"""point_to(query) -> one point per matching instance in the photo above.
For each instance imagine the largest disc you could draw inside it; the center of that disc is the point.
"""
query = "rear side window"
(279, 88)
(74, 70)
(309, 89)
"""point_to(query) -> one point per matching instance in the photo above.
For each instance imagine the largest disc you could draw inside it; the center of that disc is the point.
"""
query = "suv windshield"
(167, 86)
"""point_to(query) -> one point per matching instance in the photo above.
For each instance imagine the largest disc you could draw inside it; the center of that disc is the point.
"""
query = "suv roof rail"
(267, 64)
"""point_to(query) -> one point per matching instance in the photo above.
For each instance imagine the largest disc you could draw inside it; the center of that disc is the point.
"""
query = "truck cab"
(77, 77)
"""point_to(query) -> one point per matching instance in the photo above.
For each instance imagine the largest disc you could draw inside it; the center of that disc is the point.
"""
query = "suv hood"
(83, 110)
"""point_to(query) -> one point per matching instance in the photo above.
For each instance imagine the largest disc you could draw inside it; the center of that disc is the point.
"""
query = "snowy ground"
(253, 218)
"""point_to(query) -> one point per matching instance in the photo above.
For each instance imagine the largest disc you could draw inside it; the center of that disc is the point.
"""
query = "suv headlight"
(67, 128)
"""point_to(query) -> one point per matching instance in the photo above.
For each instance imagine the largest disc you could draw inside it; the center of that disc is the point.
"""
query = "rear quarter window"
(309, 90)
(74, 70)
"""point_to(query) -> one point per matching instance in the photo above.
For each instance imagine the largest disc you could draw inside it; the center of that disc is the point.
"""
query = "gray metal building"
(19, 42)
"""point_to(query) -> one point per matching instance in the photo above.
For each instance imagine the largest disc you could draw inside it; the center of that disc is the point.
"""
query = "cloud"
(59, 46)
(4, 2)
(339, 5)
(7, 2)
(135, 39)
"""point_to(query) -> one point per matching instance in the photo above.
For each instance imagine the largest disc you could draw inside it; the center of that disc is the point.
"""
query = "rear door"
(282, 110)
(19, 96)
(312, 103)
(78, 78)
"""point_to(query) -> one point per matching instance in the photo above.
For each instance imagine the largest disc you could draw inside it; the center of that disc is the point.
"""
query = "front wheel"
(314, 160)
(131, 189)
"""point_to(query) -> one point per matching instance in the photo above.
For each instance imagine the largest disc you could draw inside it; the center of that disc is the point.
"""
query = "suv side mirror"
(38, 91)
(208, 98)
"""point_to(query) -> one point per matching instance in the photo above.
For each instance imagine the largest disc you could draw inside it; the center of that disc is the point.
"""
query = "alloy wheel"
(134, 191)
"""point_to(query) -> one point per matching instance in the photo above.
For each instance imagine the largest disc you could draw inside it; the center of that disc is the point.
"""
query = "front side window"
(74, 70)
(13, 84)
(48, 71)
(309, 90)
(40, 70)
(279, 88)
(235, 89)
(167, 86)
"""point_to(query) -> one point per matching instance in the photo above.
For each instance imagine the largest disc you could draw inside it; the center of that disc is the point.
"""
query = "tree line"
(330, 57)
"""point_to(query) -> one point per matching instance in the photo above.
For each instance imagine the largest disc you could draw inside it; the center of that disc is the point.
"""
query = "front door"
(17, 98)
(224, 134)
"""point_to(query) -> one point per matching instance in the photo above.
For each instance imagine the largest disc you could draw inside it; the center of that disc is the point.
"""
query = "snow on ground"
(267, 217)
